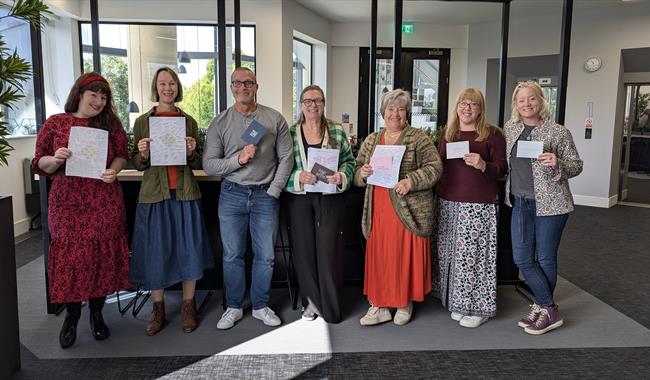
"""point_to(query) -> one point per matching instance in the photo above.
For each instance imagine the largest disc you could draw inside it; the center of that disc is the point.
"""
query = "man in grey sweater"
(252, 178)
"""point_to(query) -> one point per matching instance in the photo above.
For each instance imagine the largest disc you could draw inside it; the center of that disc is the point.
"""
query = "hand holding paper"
(529, 149)
(383, 173)
(322, 163)
(321, 172)
(254, 133)
(457, 149)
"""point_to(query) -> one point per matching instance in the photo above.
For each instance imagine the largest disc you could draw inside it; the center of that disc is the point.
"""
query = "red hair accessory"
(92, 78)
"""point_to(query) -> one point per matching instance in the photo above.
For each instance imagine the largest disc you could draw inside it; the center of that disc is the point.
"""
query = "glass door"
(424, 73)
(635, 153)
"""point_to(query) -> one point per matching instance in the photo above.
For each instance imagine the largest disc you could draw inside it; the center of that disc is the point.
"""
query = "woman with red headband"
(89, 254)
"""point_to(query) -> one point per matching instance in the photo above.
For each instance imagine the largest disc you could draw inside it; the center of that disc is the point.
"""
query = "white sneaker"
(472, 321)
(267, 316)
(229, 317)
(456, 316)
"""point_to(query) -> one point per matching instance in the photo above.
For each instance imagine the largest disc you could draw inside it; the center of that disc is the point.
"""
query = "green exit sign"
(407, 28)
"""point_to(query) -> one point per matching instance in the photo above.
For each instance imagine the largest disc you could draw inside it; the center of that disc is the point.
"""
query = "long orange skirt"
(398, 267)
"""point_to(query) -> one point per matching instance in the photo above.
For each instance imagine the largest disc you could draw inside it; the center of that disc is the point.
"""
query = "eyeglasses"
(246, 83)
(464, 105)
(309, 102)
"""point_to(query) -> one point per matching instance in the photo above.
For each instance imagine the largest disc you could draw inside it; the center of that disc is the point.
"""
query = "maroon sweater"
(463, 183)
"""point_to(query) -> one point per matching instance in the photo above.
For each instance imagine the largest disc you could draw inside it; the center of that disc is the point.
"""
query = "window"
(131, 54)
(21, 118)
(302, 63)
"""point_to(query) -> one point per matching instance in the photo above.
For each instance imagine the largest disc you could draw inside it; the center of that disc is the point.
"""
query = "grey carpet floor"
(589, 323)
(604, 251)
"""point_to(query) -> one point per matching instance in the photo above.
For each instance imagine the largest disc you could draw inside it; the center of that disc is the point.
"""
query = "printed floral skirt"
(464, 257)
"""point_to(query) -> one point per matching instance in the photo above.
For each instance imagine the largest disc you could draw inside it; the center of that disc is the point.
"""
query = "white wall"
(344, 94)
(295, 17)
(600, 32)
(12, 183)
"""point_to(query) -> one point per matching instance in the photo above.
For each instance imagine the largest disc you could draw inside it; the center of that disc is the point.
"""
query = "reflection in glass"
(131, 54)
(383, 84)
(21, 118)
(302, 54)
(424, 110)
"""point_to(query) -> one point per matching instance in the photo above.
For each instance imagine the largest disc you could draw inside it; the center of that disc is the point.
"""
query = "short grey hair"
(399, 96)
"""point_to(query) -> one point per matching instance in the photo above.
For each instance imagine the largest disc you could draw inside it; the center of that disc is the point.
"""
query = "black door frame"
(407, 57)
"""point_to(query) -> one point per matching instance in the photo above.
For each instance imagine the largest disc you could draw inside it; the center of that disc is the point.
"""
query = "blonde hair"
(544, 112)
(483, 128)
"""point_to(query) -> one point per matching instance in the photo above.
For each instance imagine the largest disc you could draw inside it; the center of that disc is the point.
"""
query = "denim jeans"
(244, 208)
(535, 240)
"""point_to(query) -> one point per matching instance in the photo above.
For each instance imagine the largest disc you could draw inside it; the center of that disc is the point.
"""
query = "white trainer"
(229, 317)
(472, 321)
(267, 316)
(456, 316)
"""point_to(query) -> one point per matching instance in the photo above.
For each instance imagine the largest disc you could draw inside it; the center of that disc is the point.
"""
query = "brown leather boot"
(158, 321)
(188, 316)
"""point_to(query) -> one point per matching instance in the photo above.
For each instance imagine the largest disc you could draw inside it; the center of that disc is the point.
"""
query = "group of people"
(435, 231)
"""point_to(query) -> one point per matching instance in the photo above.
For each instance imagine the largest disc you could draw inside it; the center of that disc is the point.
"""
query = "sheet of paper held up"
(457, 149)
(329, 158)
(385, 162)
(529, 149)
(168, 146)
(89, 147)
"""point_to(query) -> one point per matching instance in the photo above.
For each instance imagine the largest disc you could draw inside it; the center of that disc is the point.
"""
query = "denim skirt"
(170, 244)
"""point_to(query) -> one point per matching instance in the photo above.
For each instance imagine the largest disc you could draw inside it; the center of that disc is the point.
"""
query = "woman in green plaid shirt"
(315, 216)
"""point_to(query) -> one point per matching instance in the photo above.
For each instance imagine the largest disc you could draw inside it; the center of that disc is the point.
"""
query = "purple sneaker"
(549, 319)
(531, 317)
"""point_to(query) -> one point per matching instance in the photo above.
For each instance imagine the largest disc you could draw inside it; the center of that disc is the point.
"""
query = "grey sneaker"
(549, 319)
(267, 316)
(229, 317)
(375, 316)
(531, 317)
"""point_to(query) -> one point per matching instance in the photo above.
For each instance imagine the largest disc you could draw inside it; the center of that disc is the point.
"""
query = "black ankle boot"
(97, 325)
(68, 333)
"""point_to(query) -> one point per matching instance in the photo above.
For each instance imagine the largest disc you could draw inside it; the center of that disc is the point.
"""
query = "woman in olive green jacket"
(170, 243)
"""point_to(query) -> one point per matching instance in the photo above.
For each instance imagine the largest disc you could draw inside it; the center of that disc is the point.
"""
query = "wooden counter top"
(136, 175)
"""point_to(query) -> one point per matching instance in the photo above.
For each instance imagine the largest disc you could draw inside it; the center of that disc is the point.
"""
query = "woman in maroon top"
(88, 256)
(464, 263)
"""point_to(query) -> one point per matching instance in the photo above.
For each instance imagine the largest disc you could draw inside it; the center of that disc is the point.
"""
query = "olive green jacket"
(422, 164)
(155, 187)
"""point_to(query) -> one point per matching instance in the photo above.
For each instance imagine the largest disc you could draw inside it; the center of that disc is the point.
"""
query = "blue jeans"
(535, 240)
(242, 208)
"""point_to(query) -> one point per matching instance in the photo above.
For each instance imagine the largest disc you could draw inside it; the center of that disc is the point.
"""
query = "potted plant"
(14, 71)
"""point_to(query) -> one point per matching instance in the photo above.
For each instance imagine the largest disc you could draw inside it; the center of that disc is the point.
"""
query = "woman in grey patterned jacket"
(538, 188)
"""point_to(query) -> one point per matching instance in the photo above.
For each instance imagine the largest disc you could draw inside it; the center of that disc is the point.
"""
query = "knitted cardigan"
(422, 164)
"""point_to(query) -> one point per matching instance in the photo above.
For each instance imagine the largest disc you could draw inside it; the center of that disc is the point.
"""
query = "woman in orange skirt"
(398, 221)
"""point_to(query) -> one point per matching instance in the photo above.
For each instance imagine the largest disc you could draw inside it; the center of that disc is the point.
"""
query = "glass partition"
(20, 118)
(131, 54)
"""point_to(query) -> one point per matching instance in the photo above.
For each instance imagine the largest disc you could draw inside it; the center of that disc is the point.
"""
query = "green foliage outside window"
(116, 71)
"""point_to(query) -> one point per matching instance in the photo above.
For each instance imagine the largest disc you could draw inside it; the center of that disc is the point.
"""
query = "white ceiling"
(445, 12)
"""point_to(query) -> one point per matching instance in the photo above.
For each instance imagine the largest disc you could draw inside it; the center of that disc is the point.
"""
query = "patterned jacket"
(334, 138)
(422, 164)
(552, 193)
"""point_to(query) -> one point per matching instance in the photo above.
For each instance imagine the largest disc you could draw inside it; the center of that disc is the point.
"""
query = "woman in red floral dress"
(89, 254)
